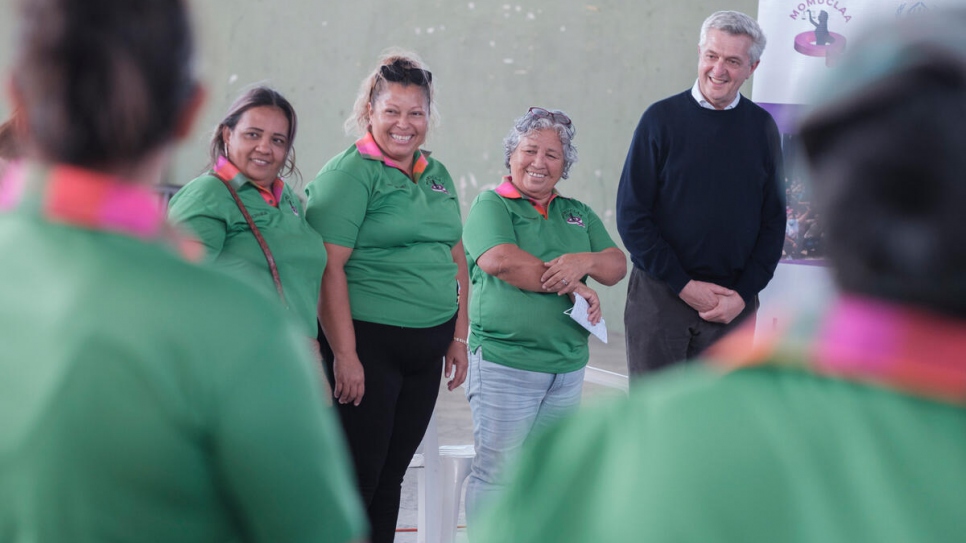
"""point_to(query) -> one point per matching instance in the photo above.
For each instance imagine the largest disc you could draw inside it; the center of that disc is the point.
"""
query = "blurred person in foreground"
(250, 150)
(530, 250)
(10, 142)
(847, 426)
(133, 407)
(393, 301)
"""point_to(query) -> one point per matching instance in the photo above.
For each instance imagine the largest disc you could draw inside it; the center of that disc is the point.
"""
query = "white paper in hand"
(579, 313)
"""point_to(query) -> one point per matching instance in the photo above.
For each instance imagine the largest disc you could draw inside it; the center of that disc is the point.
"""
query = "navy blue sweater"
(701, 195)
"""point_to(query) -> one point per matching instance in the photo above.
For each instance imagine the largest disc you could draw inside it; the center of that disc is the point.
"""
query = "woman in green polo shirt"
(250, 151)
(390, 308)
(530, 251)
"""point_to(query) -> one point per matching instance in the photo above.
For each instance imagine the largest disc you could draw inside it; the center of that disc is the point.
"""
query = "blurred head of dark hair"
(102, 82)
(11, 138)
(252, 98)
(887, 153)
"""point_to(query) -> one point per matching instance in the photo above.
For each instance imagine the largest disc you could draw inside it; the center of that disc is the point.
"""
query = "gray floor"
(456, 426)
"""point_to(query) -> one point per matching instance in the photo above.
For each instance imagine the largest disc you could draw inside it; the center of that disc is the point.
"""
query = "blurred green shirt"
(144, 398)
(771, 453)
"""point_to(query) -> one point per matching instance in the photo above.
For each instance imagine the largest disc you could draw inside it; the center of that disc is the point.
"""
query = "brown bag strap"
(261, 240)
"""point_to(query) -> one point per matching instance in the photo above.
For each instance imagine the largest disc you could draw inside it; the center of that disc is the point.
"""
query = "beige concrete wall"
(603, 62)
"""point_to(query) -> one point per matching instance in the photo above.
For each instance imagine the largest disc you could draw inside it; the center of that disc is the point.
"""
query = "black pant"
(403, 367)
(661, 329)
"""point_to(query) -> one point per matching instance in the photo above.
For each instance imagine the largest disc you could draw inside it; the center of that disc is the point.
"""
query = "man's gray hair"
(736, 24)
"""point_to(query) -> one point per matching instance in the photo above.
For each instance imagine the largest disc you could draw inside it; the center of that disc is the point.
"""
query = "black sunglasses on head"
(399, 72)
(555, 116)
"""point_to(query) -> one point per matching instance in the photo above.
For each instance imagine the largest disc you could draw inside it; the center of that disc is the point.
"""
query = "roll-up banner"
(806, 38)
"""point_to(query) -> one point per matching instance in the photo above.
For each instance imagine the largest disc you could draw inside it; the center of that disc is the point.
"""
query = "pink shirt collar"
(507, 189)
(94, 201)
(369, 149)
(872, 341)
(227, 171)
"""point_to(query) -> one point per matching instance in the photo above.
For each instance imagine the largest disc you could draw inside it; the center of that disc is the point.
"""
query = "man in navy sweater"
(700, 205)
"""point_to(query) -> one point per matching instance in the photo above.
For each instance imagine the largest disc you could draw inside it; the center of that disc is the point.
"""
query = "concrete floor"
(455, 426)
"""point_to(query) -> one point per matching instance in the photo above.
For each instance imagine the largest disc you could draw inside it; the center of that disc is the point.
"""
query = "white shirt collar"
(703, 102)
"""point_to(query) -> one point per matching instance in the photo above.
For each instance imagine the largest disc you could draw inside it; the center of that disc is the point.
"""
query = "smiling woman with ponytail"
(393, 306)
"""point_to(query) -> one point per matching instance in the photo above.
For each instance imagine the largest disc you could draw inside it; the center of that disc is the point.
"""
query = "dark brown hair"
(885, 150)
(102, 81)
(256, 97)
(11, 138)
(374, 84)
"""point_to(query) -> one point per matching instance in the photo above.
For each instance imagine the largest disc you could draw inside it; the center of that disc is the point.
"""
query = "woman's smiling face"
(398, 120)
(258, 144)
(537, 164)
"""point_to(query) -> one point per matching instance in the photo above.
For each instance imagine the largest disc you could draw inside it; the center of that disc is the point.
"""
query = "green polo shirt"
(520, 328)
(208, 210)
(784, 450)
(144, 398)
(401, 271)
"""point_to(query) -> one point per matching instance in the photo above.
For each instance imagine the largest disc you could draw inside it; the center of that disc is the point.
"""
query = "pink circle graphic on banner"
(805, 44)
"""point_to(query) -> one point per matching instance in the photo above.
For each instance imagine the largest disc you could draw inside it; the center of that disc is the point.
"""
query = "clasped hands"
(563, 276)
(713, 303)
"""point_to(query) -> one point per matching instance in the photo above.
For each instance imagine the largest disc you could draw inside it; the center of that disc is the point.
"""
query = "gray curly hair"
(529, 124)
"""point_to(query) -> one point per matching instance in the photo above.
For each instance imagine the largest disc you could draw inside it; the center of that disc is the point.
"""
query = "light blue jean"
(508, 405)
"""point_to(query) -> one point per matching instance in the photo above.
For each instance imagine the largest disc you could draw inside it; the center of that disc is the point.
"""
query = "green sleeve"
(488, 224)
(336, 206)
(450, 185)
(279, 450)
(191, 209)
(599, 238)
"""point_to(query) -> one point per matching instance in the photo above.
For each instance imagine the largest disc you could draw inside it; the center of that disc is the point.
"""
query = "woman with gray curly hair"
(530, 251)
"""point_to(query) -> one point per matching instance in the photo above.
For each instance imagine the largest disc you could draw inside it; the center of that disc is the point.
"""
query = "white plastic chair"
(455, 463)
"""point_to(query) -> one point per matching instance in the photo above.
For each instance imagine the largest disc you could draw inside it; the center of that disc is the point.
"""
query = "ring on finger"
(564, 281)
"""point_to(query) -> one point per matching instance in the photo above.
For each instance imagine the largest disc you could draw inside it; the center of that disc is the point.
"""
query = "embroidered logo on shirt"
(437, 186)
(574, 219)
